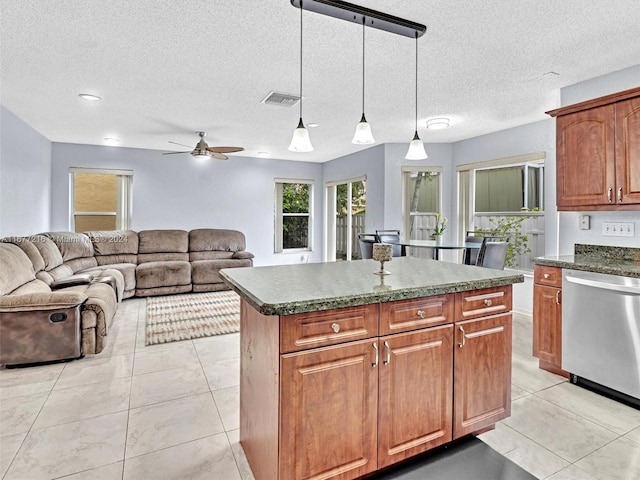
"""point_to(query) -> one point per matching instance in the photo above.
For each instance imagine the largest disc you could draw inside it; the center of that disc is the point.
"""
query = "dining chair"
(390, 236)
(492, 254)
(366, 241)
(471, 254)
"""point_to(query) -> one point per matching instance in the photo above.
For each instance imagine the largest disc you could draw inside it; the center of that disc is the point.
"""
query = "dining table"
(435, 245)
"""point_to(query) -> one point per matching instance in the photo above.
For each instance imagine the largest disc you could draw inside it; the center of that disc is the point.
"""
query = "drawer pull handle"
(421, 314)
(464, 338)
(546, 276)
(609, 192)
(388, 348)
(488, 302)
(557, 297)
(620, 195)
(335, 327)
(375, 362)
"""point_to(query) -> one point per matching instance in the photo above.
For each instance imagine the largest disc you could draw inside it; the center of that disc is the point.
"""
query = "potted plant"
(438, 230)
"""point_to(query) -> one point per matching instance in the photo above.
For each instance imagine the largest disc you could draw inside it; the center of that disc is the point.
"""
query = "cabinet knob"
(488, 302)
(421, 314)
(546, 276)
(335, 327)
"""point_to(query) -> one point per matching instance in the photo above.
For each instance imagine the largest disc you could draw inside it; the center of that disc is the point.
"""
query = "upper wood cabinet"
(598, 153)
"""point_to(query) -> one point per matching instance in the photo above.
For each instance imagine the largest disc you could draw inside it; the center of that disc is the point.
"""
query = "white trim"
(101, 171)
(536, 157)
(96, 214)
(423, 168)
(335, 183)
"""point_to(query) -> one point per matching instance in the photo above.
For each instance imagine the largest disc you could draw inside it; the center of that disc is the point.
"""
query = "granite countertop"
(287, 289)
(623, 261)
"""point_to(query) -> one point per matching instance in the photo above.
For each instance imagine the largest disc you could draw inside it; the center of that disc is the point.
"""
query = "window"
(293, 222)
(505, 195)
(100, 199)
(346, 217)
(422, 192)
(509, 189)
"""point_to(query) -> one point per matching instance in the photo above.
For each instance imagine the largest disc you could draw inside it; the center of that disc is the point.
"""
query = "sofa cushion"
(215, 255)
(114, 242)
(71, 245)
(34, 286)
(48, 250)
(208, 271)
(162, 274)
(163, 241)
(30, 249)
(15, 268)
(163, 257)
(212, 239)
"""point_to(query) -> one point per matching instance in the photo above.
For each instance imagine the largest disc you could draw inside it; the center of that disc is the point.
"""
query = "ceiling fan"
(202, 150)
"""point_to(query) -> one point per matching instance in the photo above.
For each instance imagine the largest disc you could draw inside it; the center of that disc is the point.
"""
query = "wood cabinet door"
(328, 412)
(585, 157)
(547, 324)
(482, 373)
(628, 152)
(416, 393)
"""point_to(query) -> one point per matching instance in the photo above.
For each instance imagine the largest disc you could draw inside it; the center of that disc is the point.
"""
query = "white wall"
(25, 177)
(175, 191)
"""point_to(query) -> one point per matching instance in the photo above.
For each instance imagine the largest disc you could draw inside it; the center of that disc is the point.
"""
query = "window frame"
(279, 215)
(124, 203)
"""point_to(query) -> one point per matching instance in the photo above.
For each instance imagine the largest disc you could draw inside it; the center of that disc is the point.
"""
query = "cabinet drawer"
(405, 315)
(302, 331)
(483, 302)
(544, 275)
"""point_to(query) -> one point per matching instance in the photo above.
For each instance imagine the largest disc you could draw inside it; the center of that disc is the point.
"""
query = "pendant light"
(300, 142)
(416, 147)
(363, 135)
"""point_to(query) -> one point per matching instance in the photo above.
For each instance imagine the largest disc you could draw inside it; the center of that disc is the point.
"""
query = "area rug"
(181, 317)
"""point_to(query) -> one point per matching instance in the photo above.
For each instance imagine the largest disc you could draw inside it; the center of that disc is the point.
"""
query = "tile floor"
(171, 412)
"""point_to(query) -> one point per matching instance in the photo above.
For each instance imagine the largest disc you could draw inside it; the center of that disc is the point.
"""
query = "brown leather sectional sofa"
(92, 272)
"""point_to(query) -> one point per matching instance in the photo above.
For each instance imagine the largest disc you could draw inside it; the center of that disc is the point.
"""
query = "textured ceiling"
(166, 69)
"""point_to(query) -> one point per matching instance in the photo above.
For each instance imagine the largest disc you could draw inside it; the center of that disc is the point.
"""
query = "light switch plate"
(584, 222)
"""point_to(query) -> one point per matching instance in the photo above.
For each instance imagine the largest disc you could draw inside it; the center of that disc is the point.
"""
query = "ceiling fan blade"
(225, 149)
(174, 153)
(181, 144)
(218, 155)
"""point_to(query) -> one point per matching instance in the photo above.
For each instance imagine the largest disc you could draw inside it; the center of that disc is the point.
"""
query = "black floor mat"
(467, 459)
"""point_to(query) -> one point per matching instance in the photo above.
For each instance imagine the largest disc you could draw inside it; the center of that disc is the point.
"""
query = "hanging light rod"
(357, 14)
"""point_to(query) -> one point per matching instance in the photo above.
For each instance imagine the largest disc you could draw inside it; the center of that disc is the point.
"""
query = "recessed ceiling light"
(312, 125)
(264, 154)
(437, 123)
(112, 140)
(88, 96)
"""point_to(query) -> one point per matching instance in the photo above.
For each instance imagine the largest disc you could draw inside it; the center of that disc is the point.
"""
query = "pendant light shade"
(416, 147)
(363, 135)
(300, 142)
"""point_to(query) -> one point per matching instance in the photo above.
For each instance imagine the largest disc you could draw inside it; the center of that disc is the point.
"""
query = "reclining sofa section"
(92, 272)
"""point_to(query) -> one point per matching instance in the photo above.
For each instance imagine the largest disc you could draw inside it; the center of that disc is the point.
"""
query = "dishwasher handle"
(604, 285)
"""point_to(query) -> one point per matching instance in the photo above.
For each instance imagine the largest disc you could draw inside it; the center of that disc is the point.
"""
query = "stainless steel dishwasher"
(601, 332)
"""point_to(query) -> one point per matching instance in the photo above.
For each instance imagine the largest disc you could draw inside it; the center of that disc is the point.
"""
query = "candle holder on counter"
(382, 252)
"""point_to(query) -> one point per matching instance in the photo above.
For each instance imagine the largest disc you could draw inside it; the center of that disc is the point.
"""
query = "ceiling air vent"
(280, 99)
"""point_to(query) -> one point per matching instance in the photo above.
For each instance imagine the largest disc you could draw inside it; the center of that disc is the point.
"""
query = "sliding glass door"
(346, 211)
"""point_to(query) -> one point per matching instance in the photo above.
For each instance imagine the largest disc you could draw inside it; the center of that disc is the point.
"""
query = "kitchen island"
(343, 372)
